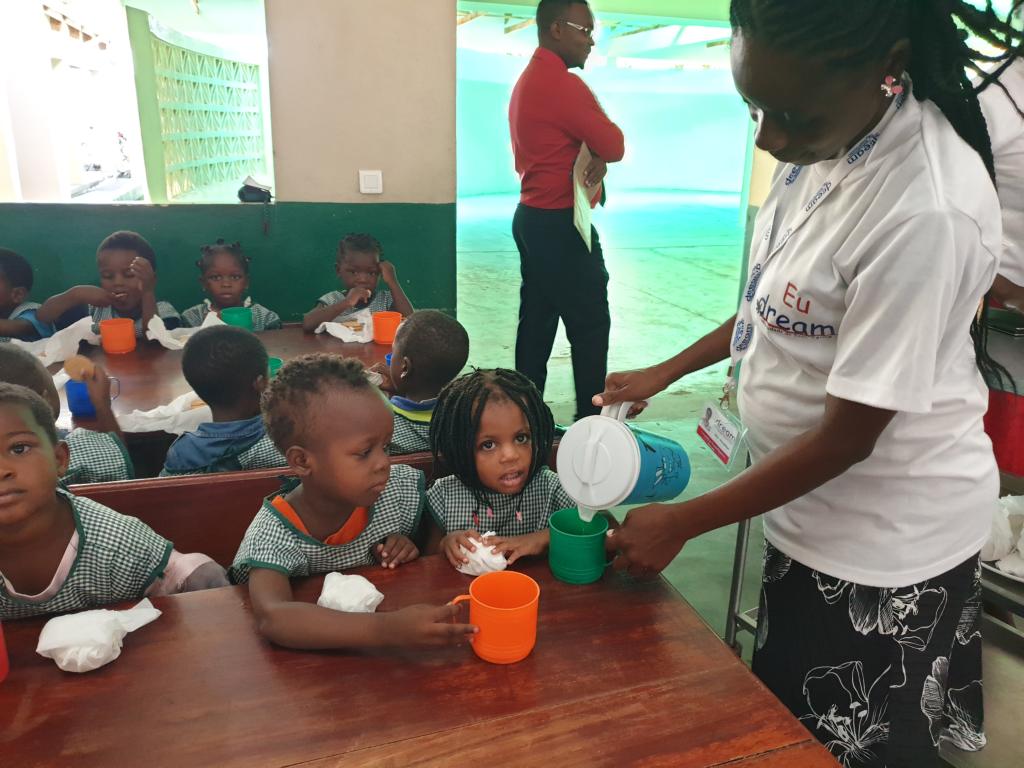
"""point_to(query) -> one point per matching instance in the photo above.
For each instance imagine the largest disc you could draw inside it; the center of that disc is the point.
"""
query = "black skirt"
(879, 676)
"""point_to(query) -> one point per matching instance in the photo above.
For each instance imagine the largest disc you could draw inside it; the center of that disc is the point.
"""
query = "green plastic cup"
(237, 316)
(576, 553)
(274, 365)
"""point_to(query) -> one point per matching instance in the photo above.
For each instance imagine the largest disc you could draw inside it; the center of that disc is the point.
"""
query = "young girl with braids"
(493, 431)
(224, 275)
(862, 336)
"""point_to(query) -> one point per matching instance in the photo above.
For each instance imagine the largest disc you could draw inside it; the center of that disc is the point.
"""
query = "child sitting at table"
(430, 350)
(96, 455)
(60, 552)
(359, 269)
(127, 267)
(227, 368)
(224, 275)
(492, 429)
(348, 507)
(17, 314)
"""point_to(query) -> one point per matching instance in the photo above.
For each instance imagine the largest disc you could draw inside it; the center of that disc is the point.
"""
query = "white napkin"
(351, 594)
(63, 344)
(177, 417)
(82, 642)
(60, 379)
(1007, 522)
(1012, 564)
(339, 331)
(483, 560)
(176, 339)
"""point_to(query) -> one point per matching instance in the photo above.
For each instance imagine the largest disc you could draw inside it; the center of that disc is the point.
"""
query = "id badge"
(724, 434)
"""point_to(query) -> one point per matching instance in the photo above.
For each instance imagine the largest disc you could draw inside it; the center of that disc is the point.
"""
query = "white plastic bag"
(82, 642)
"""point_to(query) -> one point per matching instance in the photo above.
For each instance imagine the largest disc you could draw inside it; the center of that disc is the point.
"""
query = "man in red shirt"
(551, 114)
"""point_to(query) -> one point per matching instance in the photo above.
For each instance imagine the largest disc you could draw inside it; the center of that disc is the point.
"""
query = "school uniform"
(112, 558)
(263, 319)
(277, 539)
(27, 311)
(380, 301)
(1006, 130)
(164, 311)
(411, 425)
(870, 598)
(455, 507)
(223, 446)
(96, 457)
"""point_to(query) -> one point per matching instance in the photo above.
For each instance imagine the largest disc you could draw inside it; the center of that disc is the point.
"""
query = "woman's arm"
(651, 536)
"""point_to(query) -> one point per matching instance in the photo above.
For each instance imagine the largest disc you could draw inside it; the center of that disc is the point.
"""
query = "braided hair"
(355, 242)
(209, 252)
(460, 407)
(848, 35)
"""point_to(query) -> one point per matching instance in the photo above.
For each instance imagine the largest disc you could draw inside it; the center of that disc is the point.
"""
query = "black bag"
(250, 194)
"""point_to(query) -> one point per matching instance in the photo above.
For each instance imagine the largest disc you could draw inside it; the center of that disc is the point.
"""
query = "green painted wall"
(292, 264)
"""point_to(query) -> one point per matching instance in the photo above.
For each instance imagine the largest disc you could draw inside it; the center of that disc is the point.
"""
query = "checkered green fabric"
(381, 301)
(99, 314)
(455, 508)
(274, 543)
(96, 457)
(263, 319)
(118, 558)
(409, 436)
(263, 454)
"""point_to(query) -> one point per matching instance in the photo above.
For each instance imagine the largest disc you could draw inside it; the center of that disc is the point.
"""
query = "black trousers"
(561, 279)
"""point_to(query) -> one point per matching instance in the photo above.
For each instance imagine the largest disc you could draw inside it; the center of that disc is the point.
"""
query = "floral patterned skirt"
(879, 676)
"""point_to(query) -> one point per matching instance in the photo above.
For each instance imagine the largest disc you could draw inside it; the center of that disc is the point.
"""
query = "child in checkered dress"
(348, 508)
(60, 552)
(17, 314)
(359, 269)
(492, 429)
(224, 275)
(227, 368)
(127, 267)
(96, 455)
(430, 349)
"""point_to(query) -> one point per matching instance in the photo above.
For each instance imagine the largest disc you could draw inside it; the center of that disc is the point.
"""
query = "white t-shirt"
(1006, 129)
(872, 301)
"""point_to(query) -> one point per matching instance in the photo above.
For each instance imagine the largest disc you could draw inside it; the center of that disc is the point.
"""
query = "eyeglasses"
(588, 31)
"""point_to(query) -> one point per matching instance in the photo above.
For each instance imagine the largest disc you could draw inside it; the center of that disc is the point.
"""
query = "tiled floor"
(674, 261)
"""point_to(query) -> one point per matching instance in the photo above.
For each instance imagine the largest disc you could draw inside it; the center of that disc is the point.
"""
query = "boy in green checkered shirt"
(430, 349)
(96, 455)
(227, 368)
(60, 552)
(349, 508)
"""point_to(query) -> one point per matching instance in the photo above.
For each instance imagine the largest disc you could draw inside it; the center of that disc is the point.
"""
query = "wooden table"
(624, 673)
(151, 376)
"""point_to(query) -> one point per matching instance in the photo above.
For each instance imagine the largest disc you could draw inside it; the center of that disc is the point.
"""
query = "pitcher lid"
(598, 462)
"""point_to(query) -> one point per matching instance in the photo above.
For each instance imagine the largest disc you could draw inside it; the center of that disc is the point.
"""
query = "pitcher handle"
(117, 382)
(617, 411)
(460, 599)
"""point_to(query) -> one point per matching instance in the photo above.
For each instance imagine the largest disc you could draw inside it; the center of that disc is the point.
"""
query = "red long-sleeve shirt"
(551, 114)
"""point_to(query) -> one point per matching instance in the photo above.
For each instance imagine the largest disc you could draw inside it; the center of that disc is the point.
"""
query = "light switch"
(371, 182)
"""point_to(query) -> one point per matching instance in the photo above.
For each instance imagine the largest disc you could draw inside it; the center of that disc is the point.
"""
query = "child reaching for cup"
(224, 275)
(60, 552)
(359, 269)
(349, 507)
(127, 267)
(492, 429)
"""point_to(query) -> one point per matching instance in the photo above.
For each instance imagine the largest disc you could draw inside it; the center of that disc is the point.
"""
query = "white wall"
(363, 84)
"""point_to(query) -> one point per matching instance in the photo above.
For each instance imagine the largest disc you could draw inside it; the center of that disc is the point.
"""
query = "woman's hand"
(632, 387)
(647, 541)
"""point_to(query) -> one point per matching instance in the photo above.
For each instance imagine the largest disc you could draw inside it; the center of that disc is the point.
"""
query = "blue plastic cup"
(79, 404)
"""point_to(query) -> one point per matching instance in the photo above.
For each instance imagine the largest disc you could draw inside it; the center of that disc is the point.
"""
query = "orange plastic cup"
(385, 326)
(117, 335)
(504, 606)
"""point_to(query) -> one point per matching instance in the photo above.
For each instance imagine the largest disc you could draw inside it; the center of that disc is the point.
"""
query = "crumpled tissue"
(82, 642)
(1007, 522)
(63, 344)
(177, 417)
(345, 333)
(176, 339)
(484, 560)
(351, 594)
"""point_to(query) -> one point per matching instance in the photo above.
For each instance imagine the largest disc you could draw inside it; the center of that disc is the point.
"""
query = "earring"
(891, 88)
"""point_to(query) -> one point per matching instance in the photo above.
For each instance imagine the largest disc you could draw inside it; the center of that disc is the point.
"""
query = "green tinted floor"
(674, 261)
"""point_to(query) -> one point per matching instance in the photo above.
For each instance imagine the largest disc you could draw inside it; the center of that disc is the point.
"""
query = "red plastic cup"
(385, 326)
(117, 335)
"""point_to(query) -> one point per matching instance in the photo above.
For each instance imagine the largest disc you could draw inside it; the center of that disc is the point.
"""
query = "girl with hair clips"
(224, 275)
(492, 429)
(862, 336)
